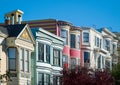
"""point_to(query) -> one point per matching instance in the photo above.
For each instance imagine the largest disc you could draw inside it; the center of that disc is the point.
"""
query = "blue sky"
(93, 13)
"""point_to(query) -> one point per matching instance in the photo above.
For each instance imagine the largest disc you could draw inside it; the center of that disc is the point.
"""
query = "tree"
(116, 74)
(5, 77)
(84, 76)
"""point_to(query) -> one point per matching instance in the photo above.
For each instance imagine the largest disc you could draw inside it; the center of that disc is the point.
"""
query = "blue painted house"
(47, 58)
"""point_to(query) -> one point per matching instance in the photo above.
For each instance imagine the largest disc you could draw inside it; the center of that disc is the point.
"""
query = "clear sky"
(93, 13)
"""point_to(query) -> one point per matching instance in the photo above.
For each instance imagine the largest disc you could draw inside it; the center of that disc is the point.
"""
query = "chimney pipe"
(12, 18)
(7, 20)
(19, 19)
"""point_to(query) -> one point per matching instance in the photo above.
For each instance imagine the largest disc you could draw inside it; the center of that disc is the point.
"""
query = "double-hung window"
(26, 60)
(85, 37)
(107, 45)
(56, 57)
(86, 57)
(72, 40)
(41, 52)
(97, 42)
(64, 35)
(73, 63)
(12, 58)
(47, 53)
(22, 59)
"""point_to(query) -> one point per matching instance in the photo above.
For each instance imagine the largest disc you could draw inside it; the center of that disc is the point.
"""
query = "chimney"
(12, 19)
(19, 19)
(7, 21)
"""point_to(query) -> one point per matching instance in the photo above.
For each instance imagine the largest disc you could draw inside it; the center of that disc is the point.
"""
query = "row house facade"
(47, 58)
(41, 67)
(99, 48)
(83, 46)
(17, 44)
(71, 35)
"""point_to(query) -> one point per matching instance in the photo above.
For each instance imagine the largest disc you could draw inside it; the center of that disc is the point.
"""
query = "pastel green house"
(47, 58)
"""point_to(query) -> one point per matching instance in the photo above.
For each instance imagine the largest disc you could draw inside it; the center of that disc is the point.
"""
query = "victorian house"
(19, 44)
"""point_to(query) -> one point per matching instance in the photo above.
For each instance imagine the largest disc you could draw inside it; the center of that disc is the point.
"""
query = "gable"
(25, 35)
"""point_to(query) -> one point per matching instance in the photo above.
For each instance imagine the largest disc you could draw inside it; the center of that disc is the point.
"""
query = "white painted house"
(98, 47)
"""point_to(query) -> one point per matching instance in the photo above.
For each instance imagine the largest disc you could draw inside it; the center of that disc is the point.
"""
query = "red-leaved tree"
(83, 76)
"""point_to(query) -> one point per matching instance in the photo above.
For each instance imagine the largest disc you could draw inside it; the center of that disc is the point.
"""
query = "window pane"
(48, 53)
(72, 41)
(12, 64)
(41, 52)
(12, 52)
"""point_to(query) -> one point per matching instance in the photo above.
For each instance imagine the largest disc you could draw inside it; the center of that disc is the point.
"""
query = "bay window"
(12, 58)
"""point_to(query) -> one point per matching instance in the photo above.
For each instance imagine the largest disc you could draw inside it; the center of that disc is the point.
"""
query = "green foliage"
(5, 77)
(116, 73)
